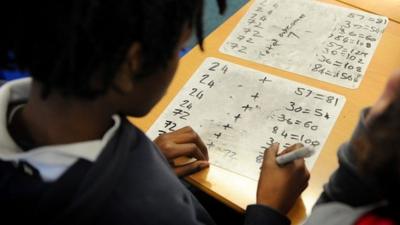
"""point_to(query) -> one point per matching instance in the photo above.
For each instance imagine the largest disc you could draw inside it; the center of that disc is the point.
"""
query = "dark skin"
(60, 120)
(54, 122)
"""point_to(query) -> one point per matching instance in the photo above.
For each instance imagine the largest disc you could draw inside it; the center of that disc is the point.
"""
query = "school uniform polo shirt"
(127, 181)
(50, 161)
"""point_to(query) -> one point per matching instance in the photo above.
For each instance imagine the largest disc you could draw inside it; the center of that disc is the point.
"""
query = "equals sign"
(294, 137)
(328, 73)
(337, 63)
(319, 96)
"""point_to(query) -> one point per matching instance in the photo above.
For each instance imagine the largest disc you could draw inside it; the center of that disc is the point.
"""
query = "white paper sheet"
(314, 39)
(238, 112)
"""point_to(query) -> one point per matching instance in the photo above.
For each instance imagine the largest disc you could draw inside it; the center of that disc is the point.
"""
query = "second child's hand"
(184, 142)
(280, 186)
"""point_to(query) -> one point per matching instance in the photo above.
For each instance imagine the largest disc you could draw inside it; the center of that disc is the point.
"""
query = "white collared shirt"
(53, 160)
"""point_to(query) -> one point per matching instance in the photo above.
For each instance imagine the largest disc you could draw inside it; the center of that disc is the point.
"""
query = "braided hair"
(66, 44)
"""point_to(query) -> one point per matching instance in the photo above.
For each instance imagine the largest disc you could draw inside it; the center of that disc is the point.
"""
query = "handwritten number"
(196, 93)
(186, 104)
(205, 76)
(214, 66)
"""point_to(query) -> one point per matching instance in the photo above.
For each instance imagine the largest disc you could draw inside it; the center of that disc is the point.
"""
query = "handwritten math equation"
(240, 112)
(347, 50)
(310, 38)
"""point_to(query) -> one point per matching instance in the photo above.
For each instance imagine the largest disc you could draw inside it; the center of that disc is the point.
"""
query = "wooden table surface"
(237, 191)
(389, 8)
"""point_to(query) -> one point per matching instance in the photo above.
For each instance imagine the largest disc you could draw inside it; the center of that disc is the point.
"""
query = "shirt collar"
(53, 154)
(13, 91)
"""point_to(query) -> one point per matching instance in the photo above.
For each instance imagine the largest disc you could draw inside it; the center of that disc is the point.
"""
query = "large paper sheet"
(239, 112)
(314, 39)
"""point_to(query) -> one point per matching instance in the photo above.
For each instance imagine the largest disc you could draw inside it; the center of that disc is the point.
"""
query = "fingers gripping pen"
(303, 152)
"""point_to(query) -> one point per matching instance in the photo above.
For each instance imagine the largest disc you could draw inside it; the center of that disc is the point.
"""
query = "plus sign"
(227, 126)
(265, 79)
(246, 107)
(255, 96)
(218, 135)
(237, 117)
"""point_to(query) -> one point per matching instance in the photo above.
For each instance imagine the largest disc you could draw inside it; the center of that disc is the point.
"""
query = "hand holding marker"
(303, 152)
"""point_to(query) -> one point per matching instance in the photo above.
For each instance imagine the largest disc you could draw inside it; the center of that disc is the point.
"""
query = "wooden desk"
(389, 8)
(236, 191)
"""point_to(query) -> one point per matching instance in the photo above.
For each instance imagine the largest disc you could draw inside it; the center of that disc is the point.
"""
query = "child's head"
(85, 48)
(378, 153)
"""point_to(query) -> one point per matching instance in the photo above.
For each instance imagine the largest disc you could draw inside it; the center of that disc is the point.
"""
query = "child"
(365, 188)
(67, 153)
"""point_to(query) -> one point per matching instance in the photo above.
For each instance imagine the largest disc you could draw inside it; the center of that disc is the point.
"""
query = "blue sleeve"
(259, 214)
(346, 185)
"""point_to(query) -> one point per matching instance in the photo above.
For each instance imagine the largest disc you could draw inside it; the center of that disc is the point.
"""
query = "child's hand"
(184, 142)
(390, 94)
(280, 186)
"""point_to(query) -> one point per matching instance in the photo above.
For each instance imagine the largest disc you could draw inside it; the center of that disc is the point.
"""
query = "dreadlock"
(67, 44)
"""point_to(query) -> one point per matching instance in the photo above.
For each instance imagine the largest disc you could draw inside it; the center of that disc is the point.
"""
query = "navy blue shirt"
(130, 183)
